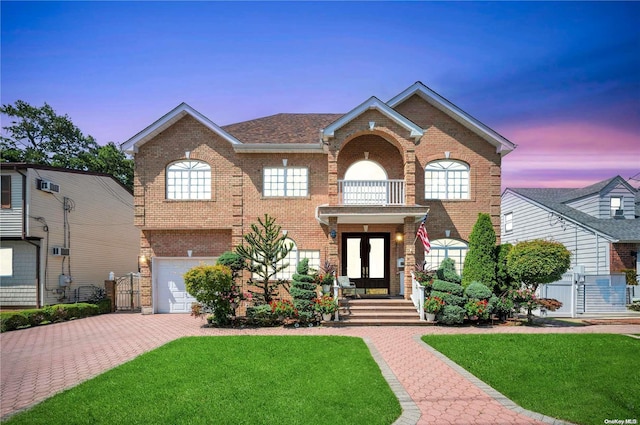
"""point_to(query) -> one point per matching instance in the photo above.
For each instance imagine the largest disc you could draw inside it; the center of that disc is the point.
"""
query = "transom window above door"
(446, 180)
(189, 180)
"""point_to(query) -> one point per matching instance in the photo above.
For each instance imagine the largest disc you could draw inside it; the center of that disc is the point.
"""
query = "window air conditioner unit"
(60, 251)
(619, 214)
(47, 186)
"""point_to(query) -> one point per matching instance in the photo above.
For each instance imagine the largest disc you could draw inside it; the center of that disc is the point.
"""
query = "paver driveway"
(39, 362)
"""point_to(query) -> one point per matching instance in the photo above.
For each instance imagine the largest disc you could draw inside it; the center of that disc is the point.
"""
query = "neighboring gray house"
(61, 232)
(599, 224)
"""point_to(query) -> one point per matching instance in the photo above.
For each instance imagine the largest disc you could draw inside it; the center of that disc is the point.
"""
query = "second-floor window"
(508, 222)
(5, 186)
(446, 180)
(616, 204)
(189, 180)
(285, 181)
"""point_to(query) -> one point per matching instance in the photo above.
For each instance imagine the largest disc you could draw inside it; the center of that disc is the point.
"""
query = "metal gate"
(128, 292)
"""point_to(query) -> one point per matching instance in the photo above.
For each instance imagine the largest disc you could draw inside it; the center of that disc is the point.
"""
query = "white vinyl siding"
(101, 238)
(19, 288)
(531, 221)
(11, 218)
(627, 202)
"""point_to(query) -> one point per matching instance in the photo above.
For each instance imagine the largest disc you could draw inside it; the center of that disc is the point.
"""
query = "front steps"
(376, 312)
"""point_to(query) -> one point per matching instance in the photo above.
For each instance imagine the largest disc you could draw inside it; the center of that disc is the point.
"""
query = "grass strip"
(581, 378)
(232, 380)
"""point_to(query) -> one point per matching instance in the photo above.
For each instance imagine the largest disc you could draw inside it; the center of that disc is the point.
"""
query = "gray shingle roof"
(627, 230)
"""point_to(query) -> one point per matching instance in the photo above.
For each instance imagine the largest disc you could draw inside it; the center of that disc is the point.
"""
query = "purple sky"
(561, 80)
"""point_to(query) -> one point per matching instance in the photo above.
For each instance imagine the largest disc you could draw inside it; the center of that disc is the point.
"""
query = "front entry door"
(365, 260)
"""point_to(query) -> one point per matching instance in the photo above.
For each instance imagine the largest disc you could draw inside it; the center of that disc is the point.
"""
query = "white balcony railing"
(371, 192)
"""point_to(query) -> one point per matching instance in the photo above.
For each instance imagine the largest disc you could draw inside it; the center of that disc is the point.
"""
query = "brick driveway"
(39, 362)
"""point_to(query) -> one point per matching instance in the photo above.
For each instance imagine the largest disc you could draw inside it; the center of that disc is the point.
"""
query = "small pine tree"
(264, 254)
(303, 289)
(480, 262)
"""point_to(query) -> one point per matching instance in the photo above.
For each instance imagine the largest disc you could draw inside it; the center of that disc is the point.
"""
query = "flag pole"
(422, 222)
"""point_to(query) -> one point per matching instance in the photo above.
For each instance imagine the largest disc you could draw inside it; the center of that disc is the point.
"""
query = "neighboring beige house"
(61, 230)
(347, 188)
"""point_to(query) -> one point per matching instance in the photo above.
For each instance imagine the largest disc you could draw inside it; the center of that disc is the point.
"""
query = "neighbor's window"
(6, 261)
(616, 204)
(446, 248)
(286, 181)
(446, 180)
(189, 180)
(6, 191)
(508, 222)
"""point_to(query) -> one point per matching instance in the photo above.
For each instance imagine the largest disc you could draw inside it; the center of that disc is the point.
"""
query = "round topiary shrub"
(448, 298)
(449, 287)
(451, 315)
(478, 291)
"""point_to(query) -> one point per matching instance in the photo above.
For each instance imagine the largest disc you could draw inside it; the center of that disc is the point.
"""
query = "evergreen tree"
(264, 252)
(480, 262)
(504, 282)
(303, 289)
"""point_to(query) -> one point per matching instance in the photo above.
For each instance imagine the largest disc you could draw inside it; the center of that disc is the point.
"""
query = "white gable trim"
(503, 146)
(133, 144)
(373, 103)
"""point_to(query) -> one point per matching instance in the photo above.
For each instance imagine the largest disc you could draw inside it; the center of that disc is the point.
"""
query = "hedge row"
(12, 320)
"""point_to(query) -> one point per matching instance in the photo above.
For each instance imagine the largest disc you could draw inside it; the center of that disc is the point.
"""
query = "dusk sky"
(559, 79)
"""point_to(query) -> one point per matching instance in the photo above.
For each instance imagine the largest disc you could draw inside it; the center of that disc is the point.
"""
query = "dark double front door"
(365, 259)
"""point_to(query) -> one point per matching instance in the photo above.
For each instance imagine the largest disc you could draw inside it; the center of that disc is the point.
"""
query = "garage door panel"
(171, 292)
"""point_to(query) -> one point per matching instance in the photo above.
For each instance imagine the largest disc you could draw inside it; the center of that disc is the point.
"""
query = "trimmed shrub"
(303, 290)
(451, 315)
(450, 287)
(449, 299)
(36, 316)
(447, 271)
(501, 306)
(504, 282)
(478, 291)
(11, 320)
(480, 262)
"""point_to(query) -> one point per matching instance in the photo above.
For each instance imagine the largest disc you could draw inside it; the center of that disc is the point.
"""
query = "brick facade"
(208, 228)
(623, 256)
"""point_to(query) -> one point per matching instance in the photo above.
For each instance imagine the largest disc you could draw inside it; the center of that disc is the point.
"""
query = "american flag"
(422, 234)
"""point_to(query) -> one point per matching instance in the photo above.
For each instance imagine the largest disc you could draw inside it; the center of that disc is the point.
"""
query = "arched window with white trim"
(446, 248)
(446, 179)
(189, 180)
(365, 183)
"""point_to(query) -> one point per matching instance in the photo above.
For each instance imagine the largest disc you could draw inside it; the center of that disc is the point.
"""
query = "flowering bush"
(433, 305)
(479, 309)
(524, 297)
(425, 278)
(326, 305)
(284, 308)
(550, 304)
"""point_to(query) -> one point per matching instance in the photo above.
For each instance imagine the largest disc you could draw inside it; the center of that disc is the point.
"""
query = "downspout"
(25, 217)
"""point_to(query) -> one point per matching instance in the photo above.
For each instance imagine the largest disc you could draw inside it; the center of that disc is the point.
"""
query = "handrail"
(371, 192)
(417, 296)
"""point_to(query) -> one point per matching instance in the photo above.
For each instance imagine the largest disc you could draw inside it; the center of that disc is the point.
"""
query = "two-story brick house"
(349, 188)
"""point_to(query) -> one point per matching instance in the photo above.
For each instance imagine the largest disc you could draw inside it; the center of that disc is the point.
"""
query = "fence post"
(110, 292)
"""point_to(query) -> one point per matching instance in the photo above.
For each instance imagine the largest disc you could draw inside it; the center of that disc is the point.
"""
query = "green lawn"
(232, 380)
(579, 378)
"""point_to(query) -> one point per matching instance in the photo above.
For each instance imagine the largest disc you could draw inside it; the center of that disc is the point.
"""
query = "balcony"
(371, 192)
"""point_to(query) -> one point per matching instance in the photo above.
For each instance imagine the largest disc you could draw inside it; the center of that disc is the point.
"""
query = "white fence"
(590, 294)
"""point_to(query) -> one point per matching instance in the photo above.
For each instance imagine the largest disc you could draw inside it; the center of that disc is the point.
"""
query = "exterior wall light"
(333, 233)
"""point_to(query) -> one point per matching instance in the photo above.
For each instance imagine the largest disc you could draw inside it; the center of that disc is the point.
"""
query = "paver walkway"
(39, 362)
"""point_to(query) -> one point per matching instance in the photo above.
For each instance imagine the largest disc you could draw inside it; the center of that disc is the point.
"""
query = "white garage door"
(171, 294)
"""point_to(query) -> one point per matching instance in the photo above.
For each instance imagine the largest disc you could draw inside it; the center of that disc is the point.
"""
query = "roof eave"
(132, 145)
(502, 144)
(373, 103)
